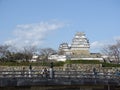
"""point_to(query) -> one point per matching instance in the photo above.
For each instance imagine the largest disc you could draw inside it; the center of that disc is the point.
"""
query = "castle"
(77, 50)
(80, 46)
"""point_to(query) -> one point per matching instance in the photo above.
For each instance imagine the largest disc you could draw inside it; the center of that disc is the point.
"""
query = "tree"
(17, 56)
(113, 51)
(45, 52)
(4, 52)
(29, 51)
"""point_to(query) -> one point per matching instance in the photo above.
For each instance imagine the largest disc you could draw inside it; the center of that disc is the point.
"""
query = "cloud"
(97, 45)
(116, 38)
(33, 34)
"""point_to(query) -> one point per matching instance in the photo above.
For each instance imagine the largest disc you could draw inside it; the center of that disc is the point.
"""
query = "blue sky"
(47, 23)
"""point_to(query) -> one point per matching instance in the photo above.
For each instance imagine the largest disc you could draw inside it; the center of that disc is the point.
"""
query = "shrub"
(110, 65)
(83, 62)
(59, 63)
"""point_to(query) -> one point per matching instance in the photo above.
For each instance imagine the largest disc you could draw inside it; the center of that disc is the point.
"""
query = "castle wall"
(80, 52)
(66, 67)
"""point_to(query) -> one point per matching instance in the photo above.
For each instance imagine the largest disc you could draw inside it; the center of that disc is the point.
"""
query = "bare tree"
(113, 51)
(4, 51)
(45, 52)
(13, 54)
(29, 51)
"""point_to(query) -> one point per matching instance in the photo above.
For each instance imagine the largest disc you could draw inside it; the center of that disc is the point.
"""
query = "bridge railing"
(58, 74)
(79, 74)
(20, 73)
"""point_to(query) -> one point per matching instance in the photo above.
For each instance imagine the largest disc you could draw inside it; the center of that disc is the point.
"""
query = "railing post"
(51, 71)
(30, 70)
(108, 87)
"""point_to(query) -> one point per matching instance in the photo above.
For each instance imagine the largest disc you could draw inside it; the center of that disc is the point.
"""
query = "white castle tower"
(80, 44)
(64, 49)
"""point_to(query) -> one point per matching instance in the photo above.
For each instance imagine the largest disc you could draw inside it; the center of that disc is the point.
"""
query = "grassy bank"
(57, 64)
(11, 63)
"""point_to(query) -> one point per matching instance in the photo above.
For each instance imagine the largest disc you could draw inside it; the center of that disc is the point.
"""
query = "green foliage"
(13, 63)
(60, 63)
(82, 62)
(56, 64)
(25, 63)
(110, 65)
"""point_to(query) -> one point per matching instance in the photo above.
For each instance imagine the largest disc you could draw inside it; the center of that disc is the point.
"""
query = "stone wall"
(15, 68)
(80, 52)
(69, 67)
(89, 68)
(82, 67)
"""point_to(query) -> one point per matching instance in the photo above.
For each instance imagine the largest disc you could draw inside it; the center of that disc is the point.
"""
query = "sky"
(48, 23)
